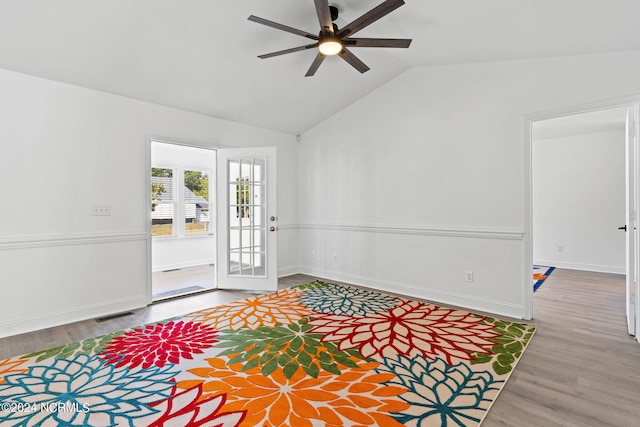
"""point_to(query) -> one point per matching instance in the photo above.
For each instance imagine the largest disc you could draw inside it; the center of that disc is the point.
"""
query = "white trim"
(527, 218)
(434, 230)
(628, 101)
(51, 240)
(176, 266)
(288, 226)
(40, 321)
(288, 271)
(614, 269)
(446, 298)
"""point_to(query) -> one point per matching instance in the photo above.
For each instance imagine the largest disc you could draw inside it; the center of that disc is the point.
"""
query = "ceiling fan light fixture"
(330, 46)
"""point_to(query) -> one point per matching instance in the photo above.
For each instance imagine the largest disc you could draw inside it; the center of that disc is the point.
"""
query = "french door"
(247, 225)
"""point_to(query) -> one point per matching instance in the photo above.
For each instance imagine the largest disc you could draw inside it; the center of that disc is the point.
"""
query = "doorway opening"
(582, 193)
(183, 244)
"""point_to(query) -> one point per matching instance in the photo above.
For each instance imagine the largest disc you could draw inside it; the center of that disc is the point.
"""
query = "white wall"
(423, 179)
(67, 148)
(579, 201)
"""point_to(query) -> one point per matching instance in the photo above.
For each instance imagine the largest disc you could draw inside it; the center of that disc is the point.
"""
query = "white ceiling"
(201, 55)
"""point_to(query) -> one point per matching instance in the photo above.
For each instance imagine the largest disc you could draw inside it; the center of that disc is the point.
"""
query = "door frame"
(183, 143)
(528, 121)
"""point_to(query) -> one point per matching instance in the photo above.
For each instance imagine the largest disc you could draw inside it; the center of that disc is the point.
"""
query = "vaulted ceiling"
(201, 55)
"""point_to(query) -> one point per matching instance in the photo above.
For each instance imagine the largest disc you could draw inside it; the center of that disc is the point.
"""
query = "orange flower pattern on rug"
(359, 396)
(283, 307)
(412, 328)
(11, 366)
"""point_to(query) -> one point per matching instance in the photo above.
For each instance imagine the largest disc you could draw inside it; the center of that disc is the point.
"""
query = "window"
(179, 201)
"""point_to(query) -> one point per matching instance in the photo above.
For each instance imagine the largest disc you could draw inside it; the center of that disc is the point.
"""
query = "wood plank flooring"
(581, 368)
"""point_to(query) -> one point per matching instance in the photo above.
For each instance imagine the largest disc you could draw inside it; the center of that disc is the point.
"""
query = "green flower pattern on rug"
(512, 341)
(291, 347)
(88, 346)
(343, 356)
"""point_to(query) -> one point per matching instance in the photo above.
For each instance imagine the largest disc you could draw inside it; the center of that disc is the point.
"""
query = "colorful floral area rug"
(318, 354)
(540, 274)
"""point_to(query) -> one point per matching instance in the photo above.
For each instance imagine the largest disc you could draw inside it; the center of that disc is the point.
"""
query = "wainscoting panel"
(426, 262)
(53, 280)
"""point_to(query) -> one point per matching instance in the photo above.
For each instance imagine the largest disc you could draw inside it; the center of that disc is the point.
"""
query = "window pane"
(162, 206)
(196, 202)
(162, 219)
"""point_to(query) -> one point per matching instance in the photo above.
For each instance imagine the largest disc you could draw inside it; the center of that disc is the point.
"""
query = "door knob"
(272, 229)
(624, 227)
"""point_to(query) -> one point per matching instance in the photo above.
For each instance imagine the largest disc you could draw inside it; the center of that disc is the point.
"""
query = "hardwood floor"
(581, 368)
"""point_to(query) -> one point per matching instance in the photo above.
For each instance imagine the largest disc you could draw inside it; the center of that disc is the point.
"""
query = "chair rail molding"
(430, 230)
(51, 240)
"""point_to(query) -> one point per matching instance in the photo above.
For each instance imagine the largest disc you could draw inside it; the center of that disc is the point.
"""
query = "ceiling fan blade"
(353, 60)
(315, 65)
(368, 42)
(283, 27)
(370, 17)
(324, 16)
(284, 52)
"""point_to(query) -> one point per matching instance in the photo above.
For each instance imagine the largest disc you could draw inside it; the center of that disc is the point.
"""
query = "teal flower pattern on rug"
(441, 394)
(93, 394)
(346, 300)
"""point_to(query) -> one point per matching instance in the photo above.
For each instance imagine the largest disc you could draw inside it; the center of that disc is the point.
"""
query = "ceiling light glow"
(330, 46)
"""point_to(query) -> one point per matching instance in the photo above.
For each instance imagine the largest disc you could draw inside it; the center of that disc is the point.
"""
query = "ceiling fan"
(335, 41)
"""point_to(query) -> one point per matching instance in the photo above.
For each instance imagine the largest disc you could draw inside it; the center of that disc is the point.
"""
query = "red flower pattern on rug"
(412, 328)
(159, 344)
(188, 408)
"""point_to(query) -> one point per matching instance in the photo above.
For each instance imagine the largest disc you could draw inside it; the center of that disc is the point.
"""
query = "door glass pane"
(234, 239)
(245, 170)
(234, 263)
(258, 194)
(258, 215)
(258, 169)
(234, 170)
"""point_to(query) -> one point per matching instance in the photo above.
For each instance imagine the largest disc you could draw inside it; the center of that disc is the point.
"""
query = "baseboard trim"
(176, 266)
(47, 241)
(288, 271)
(469, 232)
(63, 317)
(597, 268)
(487, 306)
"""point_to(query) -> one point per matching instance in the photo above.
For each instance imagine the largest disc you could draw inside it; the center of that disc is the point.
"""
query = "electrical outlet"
(469, 276)
(560, 248)
(335, 257)
(101, 210)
